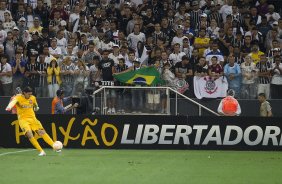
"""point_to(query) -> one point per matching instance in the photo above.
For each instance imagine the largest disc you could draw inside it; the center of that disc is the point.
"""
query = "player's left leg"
(37, 126)
(45, 137)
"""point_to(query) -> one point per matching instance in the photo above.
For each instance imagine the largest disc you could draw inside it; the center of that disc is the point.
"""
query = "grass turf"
(83, 166)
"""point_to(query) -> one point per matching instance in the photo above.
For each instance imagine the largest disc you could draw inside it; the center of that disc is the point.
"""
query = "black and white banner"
(209, 87)
(151, 132)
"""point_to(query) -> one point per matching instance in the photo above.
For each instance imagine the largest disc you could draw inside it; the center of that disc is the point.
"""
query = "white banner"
(208, 87)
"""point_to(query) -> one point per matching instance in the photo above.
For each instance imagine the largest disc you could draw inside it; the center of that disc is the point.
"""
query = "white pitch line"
(14, 152)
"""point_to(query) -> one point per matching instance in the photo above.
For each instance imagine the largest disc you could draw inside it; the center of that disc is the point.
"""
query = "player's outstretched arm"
(11, 104)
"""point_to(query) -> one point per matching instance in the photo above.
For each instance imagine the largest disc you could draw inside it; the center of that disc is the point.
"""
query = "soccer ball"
(58, 145)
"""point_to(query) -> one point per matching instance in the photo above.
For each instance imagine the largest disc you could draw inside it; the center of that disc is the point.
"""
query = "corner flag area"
(84, 166)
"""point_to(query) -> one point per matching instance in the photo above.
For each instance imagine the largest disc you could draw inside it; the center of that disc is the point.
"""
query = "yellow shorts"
(30, 124)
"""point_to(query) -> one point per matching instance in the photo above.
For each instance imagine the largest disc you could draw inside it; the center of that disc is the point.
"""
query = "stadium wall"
(151, 132)
(250, 108)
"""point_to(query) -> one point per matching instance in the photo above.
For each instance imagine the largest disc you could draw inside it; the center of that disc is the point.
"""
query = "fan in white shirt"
(62, 42)
(176, 56)
(54, 49)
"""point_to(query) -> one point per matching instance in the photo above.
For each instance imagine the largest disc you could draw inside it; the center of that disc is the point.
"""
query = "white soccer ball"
(58, 145)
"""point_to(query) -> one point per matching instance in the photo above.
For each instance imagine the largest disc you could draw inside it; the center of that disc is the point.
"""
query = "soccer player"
(26, 104)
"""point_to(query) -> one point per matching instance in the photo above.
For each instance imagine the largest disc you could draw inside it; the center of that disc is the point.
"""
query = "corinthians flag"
(208, 87)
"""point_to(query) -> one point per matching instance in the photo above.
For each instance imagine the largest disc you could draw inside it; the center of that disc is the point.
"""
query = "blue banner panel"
(150, 132)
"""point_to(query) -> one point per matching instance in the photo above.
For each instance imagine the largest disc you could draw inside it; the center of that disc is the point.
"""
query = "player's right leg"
(35, 143)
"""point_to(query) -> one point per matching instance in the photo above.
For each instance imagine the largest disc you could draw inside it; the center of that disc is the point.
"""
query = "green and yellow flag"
(144, 76)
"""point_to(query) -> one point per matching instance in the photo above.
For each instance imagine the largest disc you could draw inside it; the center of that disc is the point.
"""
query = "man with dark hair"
(58, 103)
(265, 108)
(26, 104)
(107, 67)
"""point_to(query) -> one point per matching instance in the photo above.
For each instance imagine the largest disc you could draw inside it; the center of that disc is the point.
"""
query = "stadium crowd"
(71, 44)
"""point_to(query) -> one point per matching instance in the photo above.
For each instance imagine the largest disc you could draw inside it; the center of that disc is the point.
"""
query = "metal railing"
(103, 97)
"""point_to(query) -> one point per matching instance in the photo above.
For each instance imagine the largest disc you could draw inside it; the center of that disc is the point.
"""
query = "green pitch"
(83, 166)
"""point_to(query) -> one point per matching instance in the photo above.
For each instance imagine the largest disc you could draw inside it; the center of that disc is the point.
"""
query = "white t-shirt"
(248, 71)
(134, 39)
(80, 77)
(73, 17)
(175, 58)
(177, 40)
(277, 77)
(55, 51)
(62, 43)
(115, 58)
(3, 36)
(224, 11)
(6, 79)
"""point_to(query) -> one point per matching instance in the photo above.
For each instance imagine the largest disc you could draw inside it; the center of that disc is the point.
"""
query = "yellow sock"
(47, 139)
(35, 144)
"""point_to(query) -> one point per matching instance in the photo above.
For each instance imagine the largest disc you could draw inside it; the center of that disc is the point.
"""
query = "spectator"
(81, 81)
(42, 12)
(214, 14)
(214, 51)
(8, 22)
(95, 74)
(53, 77)
(201, 42)
(29, 16)
(195, 15)
(67, 75)
(135, 37)
(201, 69)
(18, 67)
(255, 53)
(42, 88)
(34, 45)
(176, 55)
(184, 71)
(233, 73)
(265, 108)
(215, 69)
(6, 78)
(54, 50)
(213, 29)
(249, 85)
(263, 68)
(31, 73)
(142, 53)
(276, 81)
(246, 47)
(271, 15)
(107, 68)
(10, 46)
(255, 18)
(62, 42)
(36, 25)
(88, 55)
(226, 10)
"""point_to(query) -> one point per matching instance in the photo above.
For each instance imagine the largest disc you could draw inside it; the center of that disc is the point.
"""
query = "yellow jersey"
(199, 40)
(34, 29)
(25, 107)
(256, 56)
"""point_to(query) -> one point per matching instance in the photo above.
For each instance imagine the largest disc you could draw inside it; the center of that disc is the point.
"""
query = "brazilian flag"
(144, 76)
